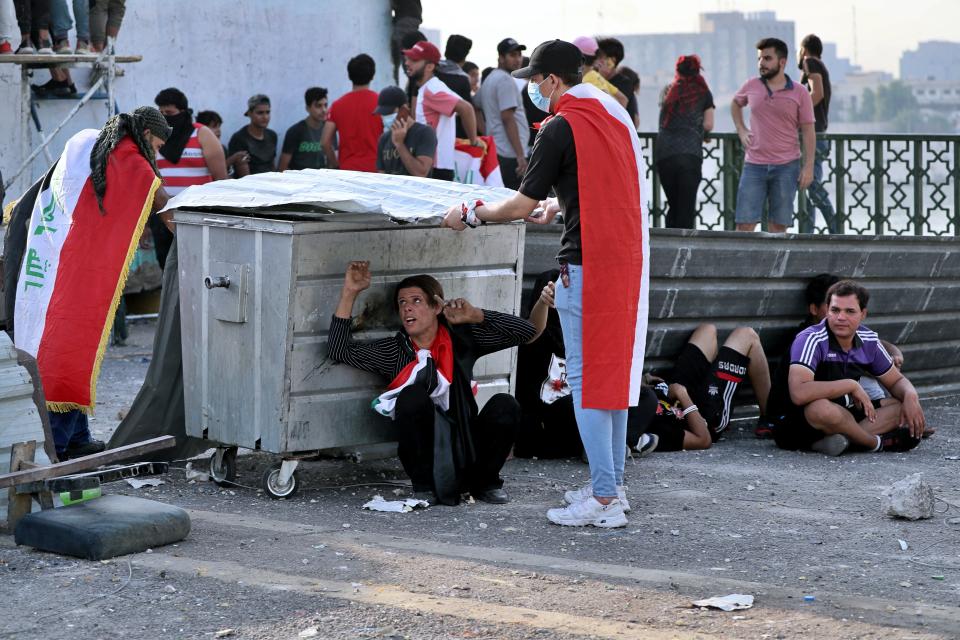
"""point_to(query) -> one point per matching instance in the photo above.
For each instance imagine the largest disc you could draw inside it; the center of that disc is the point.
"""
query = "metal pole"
(111, 74)
(43, 145)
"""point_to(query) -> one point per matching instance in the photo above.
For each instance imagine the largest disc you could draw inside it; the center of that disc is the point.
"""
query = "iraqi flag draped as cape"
(75, 265)
(614, 235)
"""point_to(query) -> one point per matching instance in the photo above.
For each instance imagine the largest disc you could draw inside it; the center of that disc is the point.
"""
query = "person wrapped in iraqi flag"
(83, 224)
(588, 153)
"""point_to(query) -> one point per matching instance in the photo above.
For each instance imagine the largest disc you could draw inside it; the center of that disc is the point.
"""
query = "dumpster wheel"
(223, 466)
(272, 485)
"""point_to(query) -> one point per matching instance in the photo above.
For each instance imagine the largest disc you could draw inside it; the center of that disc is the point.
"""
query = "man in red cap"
(438, 106)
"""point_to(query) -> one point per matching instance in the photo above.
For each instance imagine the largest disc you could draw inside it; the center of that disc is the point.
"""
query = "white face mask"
(388, 120)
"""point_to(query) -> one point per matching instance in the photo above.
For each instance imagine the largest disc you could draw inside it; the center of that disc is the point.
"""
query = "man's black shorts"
(793, 432)
(712, 386)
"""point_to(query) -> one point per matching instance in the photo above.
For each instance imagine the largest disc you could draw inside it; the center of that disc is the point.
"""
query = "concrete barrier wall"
(757, 280)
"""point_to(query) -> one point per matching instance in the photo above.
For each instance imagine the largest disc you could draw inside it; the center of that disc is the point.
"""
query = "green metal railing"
(883, 184)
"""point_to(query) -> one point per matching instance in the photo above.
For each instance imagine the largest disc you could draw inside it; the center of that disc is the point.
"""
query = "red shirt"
(359, 129)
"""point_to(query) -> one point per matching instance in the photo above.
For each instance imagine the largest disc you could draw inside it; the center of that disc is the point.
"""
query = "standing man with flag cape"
(85, 222)
(589, 154)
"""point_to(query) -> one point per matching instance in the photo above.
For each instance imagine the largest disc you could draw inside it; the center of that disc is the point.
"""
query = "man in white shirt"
(438, 106)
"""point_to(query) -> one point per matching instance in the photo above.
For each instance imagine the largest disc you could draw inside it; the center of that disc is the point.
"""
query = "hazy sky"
(884, 28)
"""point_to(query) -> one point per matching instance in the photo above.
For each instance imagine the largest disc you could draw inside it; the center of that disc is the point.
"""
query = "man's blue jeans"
(604, 433)
(817, 196)
(69, 428)
(62, 23)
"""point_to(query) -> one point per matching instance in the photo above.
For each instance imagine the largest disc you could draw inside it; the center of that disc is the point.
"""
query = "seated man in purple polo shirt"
(779, 107)
(822, 407)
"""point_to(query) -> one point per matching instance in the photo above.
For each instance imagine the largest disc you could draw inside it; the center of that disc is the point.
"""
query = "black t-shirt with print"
(553, 165)
(821, 110)
(302, 142)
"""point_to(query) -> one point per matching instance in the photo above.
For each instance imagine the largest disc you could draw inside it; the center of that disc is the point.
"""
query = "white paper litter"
(137, 483)
(903, 545)
(732, 602)
(395, 506)
(398, 197)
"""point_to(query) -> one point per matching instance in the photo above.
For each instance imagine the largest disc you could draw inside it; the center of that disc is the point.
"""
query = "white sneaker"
(584, 492)
(589, 512)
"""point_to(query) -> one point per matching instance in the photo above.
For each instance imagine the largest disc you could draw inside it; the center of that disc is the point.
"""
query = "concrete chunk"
(910, 498)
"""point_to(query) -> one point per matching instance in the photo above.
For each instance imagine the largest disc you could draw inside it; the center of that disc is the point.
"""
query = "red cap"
(423, 50)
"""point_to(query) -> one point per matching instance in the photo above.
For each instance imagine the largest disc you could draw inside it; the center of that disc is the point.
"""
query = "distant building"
(934, 60)
(838, 67)
(726, 43)
(846, 102)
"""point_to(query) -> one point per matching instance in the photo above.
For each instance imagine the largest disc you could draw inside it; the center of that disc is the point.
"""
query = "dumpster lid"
(402, 198)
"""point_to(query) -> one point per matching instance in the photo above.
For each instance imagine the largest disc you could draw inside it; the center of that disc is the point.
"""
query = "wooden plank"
(87, 462)
(59, 58)
(19, 505)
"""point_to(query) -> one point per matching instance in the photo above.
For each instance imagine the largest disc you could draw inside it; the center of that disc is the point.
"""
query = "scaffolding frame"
(105, 62)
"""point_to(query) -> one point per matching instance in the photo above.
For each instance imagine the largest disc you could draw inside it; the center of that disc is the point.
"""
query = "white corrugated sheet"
(399, 197)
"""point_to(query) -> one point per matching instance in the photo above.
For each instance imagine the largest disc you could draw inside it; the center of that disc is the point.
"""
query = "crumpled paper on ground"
(395, 506)
(732, 602)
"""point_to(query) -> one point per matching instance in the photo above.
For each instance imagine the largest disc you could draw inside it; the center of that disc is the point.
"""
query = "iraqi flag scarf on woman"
(75, 265)
(616, 253)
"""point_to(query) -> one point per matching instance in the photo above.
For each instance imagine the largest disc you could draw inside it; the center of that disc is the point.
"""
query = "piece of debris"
(903, 545)
(394, 506)
(137, 483)
(732, 602)
(910, 498)
(223, 633)
(309, 632)
(193, 474)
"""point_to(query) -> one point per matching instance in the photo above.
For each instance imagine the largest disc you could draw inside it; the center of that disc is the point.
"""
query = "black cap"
(390, 98)
(509, 44)
(553, 56)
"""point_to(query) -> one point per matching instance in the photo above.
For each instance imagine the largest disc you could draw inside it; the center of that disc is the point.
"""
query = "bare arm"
(736, 112)
(469, 118)
(816, 87)
(708, 119)
(326, 140)
(804, 389)
(356, 280)
(697, 436)
(541, 310)
(620, 97)
(513, 135)
(212, 154)
(894, 352)
(809, 135)
(911, 414)
(285, 159)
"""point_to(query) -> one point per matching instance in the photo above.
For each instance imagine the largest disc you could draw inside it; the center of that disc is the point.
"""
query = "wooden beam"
(87, 462)
(56, 59)
(19, 505)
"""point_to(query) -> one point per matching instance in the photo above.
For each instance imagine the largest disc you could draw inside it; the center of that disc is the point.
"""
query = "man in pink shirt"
(779, 107)
(438, 106)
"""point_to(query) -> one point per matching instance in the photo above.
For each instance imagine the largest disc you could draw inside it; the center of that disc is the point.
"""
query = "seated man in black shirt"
(698, 402)
(446, 445)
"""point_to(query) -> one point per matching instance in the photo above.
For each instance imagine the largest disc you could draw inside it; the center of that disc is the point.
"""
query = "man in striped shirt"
(823, 406)
(191, 155)
(446, 445)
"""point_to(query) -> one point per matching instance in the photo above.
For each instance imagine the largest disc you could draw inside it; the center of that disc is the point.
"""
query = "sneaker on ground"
(647, 445)
(898, 440)
(62, 47)
(585, 492)
(764, 428)
(832, 445)
(46, 48)
(589, 512)
(25, 49)
(5, 47)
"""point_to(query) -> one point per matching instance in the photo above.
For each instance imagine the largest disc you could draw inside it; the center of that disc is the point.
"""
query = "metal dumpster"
(257, 295)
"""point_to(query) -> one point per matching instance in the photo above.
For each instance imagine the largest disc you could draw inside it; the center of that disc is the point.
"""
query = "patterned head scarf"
(119, 126)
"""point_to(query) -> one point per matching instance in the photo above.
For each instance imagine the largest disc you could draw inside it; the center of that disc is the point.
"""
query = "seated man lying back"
(446, 445)
(824, 408)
